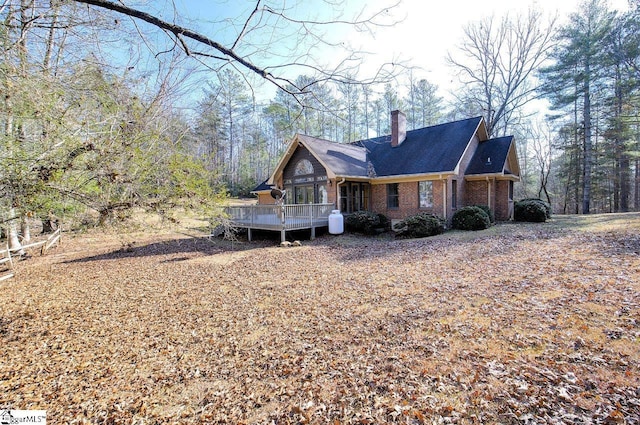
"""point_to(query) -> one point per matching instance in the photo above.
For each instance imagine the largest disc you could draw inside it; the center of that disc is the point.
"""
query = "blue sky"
(425, 31)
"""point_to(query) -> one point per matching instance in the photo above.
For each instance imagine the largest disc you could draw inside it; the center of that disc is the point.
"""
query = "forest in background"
(104, 112)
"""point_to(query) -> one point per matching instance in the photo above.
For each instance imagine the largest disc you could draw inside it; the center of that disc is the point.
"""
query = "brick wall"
(503, 205)
(476, 193)
(266, 199)
(409, 200)
(332, 192)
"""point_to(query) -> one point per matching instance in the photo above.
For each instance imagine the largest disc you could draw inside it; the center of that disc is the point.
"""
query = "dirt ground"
(520, 323)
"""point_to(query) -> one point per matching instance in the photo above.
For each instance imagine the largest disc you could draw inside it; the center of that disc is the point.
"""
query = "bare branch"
(177, 30)
(499, 61)
(246, 24)
(254, 22)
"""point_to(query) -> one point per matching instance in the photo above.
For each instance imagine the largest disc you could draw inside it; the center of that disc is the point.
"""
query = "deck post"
(249, 234)
(313, 232)
(283, 222)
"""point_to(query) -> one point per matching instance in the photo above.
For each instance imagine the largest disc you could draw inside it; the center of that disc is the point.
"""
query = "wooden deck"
(280, 217)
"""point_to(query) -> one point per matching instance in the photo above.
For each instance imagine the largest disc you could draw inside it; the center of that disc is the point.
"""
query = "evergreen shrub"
(471, 218)
(530, 210)
(487, 210)
(420, 226)
(366, 222)
(546, 205)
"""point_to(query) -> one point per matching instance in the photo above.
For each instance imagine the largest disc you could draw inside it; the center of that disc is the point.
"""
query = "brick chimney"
(398, 128)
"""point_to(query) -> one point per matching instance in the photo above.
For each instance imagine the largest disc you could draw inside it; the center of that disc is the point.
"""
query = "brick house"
(435, 169)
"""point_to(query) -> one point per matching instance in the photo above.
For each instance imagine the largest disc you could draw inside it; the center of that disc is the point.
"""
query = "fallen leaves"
(519, 324)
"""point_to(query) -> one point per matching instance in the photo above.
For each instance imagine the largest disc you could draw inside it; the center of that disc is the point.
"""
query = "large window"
(393, 195)
(425, 194)
(303, 194)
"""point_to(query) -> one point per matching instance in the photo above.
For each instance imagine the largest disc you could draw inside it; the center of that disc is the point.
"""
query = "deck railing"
(280, 217)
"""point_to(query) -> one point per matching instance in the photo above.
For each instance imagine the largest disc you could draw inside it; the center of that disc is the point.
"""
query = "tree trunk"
(14, 240)
(586, 184)
(636, 192)
(25, 229)
(625, 183)
(576, 161)
(46, 63)
(49, 223)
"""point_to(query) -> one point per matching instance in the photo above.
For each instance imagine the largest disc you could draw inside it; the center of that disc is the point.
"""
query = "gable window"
(425, 194)
(393, 195)
(303, 167)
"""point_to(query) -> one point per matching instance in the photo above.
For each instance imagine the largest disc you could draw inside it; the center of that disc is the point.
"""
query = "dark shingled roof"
(342, 159)
(262, 186)
(490, 156)
(427, 150)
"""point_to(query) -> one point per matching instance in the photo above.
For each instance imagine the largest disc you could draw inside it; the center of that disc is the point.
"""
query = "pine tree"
(571, 80)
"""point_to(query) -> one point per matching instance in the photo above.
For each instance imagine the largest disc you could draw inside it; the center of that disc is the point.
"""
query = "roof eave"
(497, 176)
(411, 177)
(284, 159)
(481, 132)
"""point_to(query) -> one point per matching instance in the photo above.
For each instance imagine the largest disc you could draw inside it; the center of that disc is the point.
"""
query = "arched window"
(303, 167)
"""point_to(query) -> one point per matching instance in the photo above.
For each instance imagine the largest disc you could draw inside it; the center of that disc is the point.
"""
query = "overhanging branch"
(179, 32)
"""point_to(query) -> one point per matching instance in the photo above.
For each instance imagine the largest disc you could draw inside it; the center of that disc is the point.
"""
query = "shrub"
(530, 210)
(546, 205)
(487, 210)
(420, 225)
(470, 218)
(366, 222)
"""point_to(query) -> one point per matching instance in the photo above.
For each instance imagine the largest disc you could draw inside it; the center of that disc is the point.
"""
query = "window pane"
(392, 196)
(425, 191)
(365, 197)
(343, 199)
(322, 194)
(454, 194)
(299, 195)
(308, 199)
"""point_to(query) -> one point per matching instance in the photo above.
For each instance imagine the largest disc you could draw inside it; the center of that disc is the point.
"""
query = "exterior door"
(304, 194)
(354, 196)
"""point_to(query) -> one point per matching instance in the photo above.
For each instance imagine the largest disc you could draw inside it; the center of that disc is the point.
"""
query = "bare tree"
(497, 60)
(541, 137)
(266, 19)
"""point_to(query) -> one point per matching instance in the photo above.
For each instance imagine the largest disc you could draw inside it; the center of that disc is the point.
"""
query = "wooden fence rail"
(7, 259)
(6, 256)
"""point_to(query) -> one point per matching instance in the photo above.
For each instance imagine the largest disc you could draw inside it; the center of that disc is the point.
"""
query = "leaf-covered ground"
(522, 323)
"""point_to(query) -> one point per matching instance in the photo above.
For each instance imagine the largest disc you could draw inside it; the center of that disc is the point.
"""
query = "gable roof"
(438, 149)
(263, 187)
(339, 159)
(490, 157)
(434, 149)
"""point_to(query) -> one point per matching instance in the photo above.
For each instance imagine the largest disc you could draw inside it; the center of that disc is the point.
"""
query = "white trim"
(497, 176)
(444, 197)
(475, 133)
(403, 178)
(288, 153)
